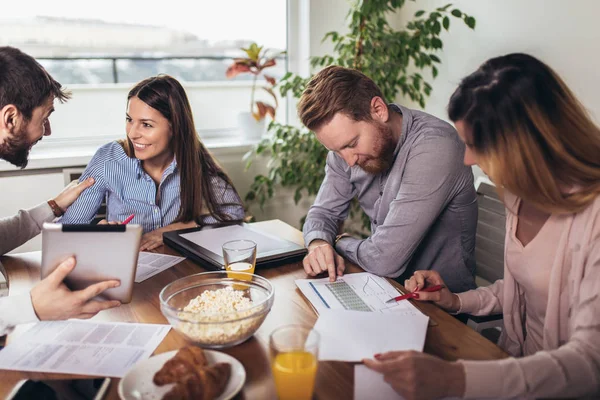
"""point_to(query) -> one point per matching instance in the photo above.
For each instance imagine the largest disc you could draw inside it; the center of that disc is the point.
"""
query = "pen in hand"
(128, 219)
(411, 295)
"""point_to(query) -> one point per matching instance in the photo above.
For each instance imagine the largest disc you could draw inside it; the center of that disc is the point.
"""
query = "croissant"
(186, 361)
(203, 384)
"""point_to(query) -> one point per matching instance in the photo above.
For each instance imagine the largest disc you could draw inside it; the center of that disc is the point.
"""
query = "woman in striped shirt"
(161, 172)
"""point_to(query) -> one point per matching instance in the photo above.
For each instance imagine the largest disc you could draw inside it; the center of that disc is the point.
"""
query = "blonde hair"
(531, 134)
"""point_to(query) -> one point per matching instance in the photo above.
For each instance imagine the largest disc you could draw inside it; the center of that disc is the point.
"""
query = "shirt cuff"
(15, 310)
(469, 302)
(347, 247)
(495, 378)
(314, 235)
(42, 213)
(460, 307)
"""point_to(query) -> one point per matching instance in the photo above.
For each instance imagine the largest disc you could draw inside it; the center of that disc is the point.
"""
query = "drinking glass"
(239, 256)
(294, 359)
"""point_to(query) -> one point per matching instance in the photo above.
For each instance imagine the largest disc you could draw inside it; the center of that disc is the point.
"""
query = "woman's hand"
(443, 298)
(154, 239)
(71, 193)
(105, 222)
(417, 375)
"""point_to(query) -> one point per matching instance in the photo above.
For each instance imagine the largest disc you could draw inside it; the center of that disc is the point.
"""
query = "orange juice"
(239, 267)
(294, 374)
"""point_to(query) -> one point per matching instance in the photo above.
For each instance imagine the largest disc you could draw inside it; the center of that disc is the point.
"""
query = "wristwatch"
(339, 237)
(56, 210)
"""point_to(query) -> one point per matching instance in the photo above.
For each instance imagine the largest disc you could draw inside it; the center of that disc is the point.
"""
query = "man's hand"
(321, 258)
(72, 193)
(443, 298)
(53, 301)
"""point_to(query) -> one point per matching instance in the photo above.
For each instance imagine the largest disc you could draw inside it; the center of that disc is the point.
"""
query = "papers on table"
(150, 264)
(361, 292)
(82, 347)
(354, 335)
(369, 384)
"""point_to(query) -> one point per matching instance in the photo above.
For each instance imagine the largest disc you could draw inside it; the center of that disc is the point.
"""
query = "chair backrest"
(489, 247)
(73, 174)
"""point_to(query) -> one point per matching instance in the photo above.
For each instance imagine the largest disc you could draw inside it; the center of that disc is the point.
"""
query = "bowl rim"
(234, 314)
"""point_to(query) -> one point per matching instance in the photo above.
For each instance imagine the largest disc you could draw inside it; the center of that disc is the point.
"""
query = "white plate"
(137, 383)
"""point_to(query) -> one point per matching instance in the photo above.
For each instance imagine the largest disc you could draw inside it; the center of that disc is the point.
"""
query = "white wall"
(564, 34)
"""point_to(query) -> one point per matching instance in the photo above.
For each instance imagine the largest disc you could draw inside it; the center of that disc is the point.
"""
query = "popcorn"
(208, 317)
(220, 301)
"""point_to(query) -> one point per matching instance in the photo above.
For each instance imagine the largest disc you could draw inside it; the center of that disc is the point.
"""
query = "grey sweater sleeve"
(331, 206)
(16, 230)
(428, 181)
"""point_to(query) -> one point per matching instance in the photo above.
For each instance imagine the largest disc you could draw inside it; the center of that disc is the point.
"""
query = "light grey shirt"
(423, 210)
(14, 231)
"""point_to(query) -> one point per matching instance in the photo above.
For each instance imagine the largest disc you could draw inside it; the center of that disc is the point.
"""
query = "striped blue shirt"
(128, 189)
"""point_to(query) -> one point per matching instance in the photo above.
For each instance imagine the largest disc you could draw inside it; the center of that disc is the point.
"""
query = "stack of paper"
(150, 264)
(354, 335)
(82, 347)
(360, 292)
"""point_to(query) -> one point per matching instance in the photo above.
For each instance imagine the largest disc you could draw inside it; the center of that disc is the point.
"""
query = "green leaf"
(457, 13)
(446, 22)
(434, 58)
(419, 13)
(470, 21)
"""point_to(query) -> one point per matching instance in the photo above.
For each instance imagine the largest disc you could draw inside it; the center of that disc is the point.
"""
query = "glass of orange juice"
(239, 256)
(294, 359)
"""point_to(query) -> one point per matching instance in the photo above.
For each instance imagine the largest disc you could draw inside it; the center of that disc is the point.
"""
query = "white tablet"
(103, 252)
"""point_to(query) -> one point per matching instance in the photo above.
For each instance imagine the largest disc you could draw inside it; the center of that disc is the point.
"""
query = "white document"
(361, 292)
(82, 347)
(369, 384)
(354, 335)
(213, 239)
(150, 264)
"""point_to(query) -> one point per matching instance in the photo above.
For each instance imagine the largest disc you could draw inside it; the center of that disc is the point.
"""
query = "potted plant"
(394, 59)
(252, 123)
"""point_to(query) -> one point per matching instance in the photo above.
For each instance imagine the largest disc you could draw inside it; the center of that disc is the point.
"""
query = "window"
(99, 52)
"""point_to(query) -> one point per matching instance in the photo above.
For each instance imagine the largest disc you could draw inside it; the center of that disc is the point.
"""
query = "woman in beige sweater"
(533, 138)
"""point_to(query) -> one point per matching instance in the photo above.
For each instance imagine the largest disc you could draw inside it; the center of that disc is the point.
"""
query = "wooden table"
(448, 339)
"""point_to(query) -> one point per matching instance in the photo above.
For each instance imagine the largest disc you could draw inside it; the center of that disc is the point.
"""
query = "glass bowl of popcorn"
(216, 309)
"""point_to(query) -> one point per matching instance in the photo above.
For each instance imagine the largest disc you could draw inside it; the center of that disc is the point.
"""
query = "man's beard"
(15, 149)
(384, 147)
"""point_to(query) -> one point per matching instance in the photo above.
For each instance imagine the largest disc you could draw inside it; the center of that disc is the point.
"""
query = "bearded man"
(27, 94)
(406, 169)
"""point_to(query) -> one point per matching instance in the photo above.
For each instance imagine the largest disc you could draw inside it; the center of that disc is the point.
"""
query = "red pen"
(128, 219)
(411, 295)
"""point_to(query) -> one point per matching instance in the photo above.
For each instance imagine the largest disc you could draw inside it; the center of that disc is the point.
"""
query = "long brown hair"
(197, 167)
(530, 133)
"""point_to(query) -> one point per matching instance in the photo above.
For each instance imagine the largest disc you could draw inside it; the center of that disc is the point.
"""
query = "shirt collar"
(139, 170)
(406, 122)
